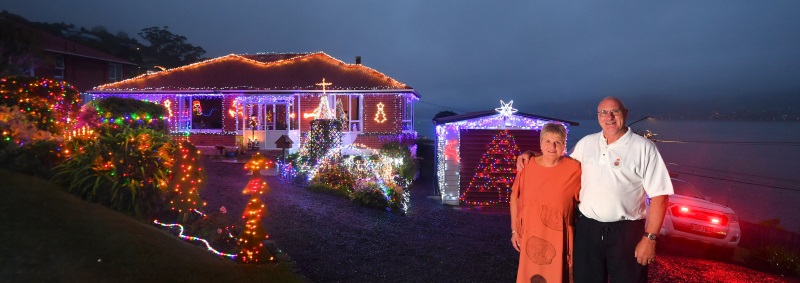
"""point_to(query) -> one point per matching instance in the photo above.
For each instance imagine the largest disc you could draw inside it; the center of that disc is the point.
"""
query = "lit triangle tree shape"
(252, 238)
(188, 180)
(495, 173)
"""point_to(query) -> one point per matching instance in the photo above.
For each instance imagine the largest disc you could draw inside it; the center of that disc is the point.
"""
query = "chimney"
(358, 60)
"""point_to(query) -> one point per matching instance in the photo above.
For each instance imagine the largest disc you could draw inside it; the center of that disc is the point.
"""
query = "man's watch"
(652, 237)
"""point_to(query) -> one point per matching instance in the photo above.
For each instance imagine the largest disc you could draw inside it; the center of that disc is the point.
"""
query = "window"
(354, 113)
(206, 113)
(408, 114)
(30, 71)
(59, 67)
(114, 72)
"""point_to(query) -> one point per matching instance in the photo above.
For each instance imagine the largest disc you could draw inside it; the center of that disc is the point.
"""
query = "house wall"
(392, 110)
(228, 122)
(374, 133)
(83, 73)
(212, 139)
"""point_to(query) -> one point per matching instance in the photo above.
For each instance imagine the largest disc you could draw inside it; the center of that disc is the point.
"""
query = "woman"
(542, 204)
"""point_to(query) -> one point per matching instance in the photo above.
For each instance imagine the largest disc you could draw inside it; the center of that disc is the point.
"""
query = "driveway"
(334, 240)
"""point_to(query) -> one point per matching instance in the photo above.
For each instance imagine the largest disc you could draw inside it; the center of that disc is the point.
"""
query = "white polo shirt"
(616, 176)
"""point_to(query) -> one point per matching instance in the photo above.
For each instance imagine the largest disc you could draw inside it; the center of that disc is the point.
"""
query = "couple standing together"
(608, 176)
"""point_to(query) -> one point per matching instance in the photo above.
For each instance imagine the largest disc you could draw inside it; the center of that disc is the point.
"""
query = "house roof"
(268, 72)
(56, 44)
(479, 114)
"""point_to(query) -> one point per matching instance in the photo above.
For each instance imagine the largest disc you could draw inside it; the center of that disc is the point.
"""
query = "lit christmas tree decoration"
(323, 111)
(495, 172)
(253, 235)
(380, 116)
(257, 163)
(188, 180)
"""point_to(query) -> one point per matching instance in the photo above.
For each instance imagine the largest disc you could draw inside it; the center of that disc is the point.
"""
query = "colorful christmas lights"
(495, 172)
(190, 238)
(252, 237)
(187, 181)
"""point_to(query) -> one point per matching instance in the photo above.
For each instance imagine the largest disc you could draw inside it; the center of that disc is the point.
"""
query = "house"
(62, 59)
(476, 153)
(233, 99)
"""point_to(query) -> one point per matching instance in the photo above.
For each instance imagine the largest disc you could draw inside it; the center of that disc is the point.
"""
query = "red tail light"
(694, 213)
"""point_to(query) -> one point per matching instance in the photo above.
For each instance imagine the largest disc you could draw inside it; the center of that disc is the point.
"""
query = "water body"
(753, 167)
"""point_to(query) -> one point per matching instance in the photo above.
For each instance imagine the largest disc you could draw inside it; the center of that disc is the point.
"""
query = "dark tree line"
(20, 50)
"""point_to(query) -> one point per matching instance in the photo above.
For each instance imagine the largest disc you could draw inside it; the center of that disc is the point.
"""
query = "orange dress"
(545, 208)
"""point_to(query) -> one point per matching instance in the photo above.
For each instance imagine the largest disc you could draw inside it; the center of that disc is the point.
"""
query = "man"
(619, 169)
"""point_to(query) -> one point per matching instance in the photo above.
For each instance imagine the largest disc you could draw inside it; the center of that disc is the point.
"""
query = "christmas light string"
(190, 238)
(233, 57)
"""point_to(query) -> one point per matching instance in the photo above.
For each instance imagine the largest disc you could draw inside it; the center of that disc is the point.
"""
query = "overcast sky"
(467, 55)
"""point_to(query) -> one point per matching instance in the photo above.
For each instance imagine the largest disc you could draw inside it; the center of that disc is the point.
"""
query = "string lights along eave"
(233, 57)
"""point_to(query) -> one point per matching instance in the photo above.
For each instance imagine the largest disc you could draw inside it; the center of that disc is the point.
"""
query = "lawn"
(49, 235)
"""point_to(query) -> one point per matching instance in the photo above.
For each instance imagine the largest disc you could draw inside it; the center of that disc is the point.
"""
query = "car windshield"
(685, 189)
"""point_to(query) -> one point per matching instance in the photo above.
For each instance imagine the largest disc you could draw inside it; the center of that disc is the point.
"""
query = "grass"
(48, 235)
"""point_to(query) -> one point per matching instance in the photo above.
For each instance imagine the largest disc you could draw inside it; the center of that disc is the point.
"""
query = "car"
(694, 217)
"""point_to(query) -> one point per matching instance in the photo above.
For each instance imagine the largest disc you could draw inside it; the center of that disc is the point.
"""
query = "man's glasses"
(605, 113)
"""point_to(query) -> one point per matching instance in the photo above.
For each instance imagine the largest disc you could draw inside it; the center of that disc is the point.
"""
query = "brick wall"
(228, 122)
(377, 141)
(392, 109)
(211, 139)
(307, 105)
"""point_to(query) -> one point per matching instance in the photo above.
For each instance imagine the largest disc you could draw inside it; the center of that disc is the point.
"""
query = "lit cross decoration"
(323, 111)
(505, 109)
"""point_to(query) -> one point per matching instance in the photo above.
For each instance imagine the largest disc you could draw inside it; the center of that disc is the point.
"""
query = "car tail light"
(702, 215)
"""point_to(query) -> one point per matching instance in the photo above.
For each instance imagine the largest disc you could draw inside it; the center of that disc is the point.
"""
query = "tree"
(169, 49)
(18, 48)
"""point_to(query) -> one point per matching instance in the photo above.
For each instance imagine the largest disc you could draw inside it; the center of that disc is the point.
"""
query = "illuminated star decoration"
(505, 109)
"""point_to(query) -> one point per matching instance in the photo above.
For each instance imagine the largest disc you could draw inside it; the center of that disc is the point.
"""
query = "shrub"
(335, 174)
(405, 172)
(370, 198)
(326, 188)
(215, 228)
(126, 170)
(35, 158)
(774, 259)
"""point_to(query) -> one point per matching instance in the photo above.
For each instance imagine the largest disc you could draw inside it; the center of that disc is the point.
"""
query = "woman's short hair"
(554, 128)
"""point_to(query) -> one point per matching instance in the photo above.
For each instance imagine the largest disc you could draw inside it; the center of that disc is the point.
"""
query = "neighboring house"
(232, 99)
(62, 59)
(82, 66)
(476, 153)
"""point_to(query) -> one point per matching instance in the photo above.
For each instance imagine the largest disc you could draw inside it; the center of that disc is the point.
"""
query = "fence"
(758, 236)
